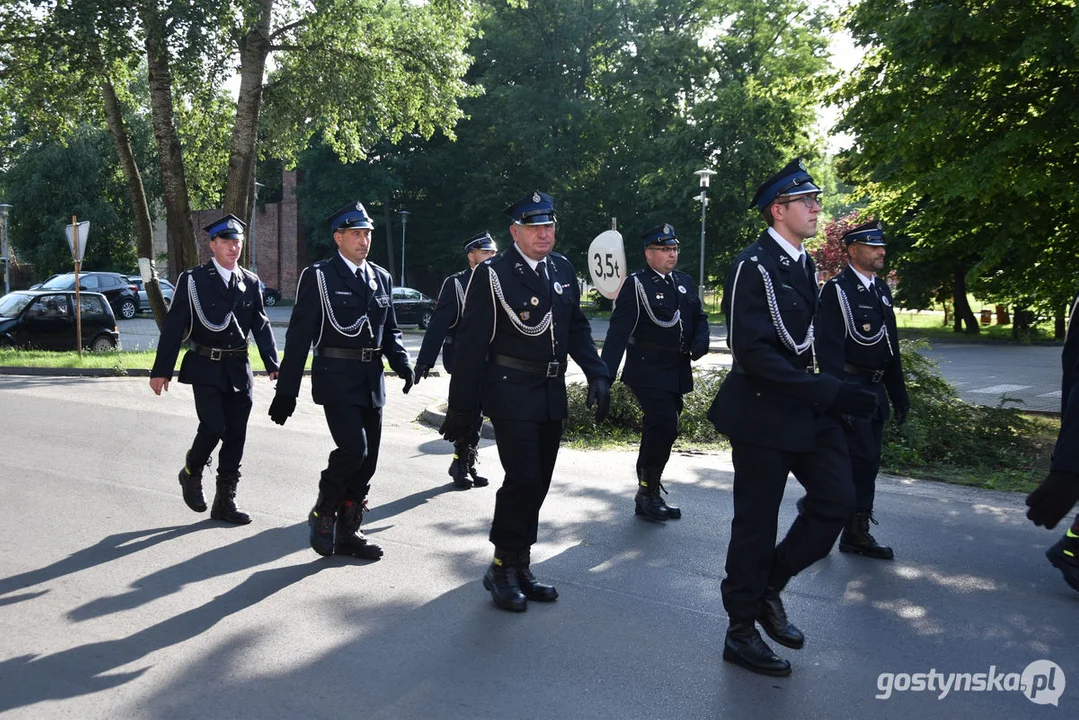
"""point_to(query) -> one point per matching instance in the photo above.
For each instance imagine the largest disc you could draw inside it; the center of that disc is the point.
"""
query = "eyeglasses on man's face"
(811, 201)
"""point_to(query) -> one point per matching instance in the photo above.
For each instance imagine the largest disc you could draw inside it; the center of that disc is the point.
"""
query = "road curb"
(435, 413)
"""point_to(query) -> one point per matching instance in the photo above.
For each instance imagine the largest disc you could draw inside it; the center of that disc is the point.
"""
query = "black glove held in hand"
(854, 401)
(900, 414)
(698, 351)
(1053, 499)
(421, 372)
(281, 408)
(599, 392)
(456, 426)
(410, 379)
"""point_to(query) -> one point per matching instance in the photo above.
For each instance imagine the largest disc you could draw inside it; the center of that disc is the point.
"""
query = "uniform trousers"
(760, 477)
(864, 437)
(222, 418)
(357, 433)
(527, 450)
(662, 409)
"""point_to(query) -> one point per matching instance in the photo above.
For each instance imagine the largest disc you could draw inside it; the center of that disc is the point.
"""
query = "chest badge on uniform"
(884, 299)
(866, 327)
(558, 288)
(534, 301)
(525, 315)
(682, 289)
(372, 284)
(785, 260)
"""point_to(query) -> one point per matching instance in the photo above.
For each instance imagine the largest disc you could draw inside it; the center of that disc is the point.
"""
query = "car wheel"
(103, 343)
(425, 319)
(128, 308)
(271, 299)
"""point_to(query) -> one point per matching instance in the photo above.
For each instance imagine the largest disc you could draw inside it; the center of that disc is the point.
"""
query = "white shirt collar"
(353, 267)
(531, 263)
(795, 253)
(866, 280)
(226, 275)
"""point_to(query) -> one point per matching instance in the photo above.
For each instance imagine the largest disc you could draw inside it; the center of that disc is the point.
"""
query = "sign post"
(77, 252)
(607, 263)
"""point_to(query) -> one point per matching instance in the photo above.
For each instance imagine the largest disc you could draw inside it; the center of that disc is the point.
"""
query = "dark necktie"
(541, 271)
(360, 276)
(232, 281)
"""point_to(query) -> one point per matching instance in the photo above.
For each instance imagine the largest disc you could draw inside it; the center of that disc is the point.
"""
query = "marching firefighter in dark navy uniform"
(442, 331)
(522, 317)
(1058, 493)
(343, 310)
(660, 325)
(781, 417)
(858, 343)
(215, 307)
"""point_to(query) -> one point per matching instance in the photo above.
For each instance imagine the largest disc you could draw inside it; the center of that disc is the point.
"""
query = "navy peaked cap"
(870, 233)
(230, 227)
(536, 208)
(480, 241)
(791, 180)
(351, 216)
(662, 235)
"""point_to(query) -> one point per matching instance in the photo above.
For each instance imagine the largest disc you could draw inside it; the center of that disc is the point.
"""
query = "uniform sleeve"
(393, 345)
(177, 320)
(752, 339)
(446, 311)
(302, 327)
(262, 331)
(830, 332)
(623, 322)
(474, 333)
(894, 380)
(701, 334)
(1066, 452)
(582, 348)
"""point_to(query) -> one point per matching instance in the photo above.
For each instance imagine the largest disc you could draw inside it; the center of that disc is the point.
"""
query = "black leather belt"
(218, 353)
(645, 345)
(549, 369)
(873, 376)
(735, 367)
(361, 354)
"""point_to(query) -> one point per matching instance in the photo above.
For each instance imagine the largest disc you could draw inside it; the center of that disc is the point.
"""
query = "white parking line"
(998, 389)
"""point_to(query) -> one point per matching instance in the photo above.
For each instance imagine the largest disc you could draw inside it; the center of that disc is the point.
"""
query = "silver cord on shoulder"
(230, 319)
(676, 319)
(352, 330)
(547, 323)
(852, 330)
(777, 319)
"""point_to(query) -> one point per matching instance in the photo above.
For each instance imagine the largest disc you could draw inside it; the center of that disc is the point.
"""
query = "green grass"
(119, 361)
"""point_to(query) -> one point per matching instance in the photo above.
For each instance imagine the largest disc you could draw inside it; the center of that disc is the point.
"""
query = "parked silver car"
(167, 290)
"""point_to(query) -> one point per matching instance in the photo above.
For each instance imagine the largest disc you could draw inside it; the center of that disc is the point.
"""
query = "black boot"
(856, 537)
(656, 475)
(477, 479)
(224, 508)
(1064, 554)
(321, 520)
(649, 504)
(773, 618)
(348, 539)
(191, 483)
(532, 589)
(459, 468)
(501, 580)
(744, 646)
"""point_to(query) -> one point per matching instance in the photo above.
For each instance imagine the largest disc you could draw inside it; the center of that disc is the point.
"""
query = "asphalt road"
(1027, 377)
(116, 601)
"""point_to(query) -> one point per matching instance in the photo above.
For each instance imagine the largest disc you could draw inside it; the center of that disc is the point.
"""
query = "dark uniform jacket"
(184, 322)
(442, 329)
(856, 341)
(656, 356)
(1066, 452)
(342, 380)
(505, 325)
(771, 397)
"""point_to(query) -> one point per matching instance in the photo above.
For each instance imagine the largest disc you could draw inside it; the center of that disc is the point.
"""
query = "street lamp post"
(4, 249)
(705, 177)
(254, 213)
(404, 224)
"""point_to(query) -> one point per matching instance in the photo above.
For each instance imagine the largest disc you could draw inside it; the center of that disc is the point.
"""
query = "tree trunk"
(183, 251)
(254, 49)
(963, 313)
(389, 240)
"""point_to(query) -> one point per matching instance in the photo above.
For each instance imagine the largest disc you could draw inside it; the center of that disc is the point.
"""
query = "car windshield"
(13, 303)
(60, 282)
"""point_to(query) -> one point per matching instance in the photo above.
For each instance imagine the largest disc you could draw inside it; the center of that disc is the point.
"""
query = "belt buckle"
(552, 368)
(877, 376)
(366, 354)
(215, 353)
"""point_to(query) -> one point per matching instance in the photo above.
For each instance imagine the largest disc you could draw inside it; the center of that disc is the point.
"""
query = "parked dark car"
(167, 290)
(270, 296)
(45, 320)
(412, 307)
(121, 294)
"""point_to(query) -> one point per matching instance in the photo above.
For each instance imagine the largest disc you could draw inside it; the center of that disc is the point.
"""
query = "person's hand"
(273, 375)
(421, 372)
(852, 400)
(456, 426)
(410, 379)
(1053, 499)
(157, 384)
(698, 350)
(900, 414)
(281, 408)
(599, 392)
